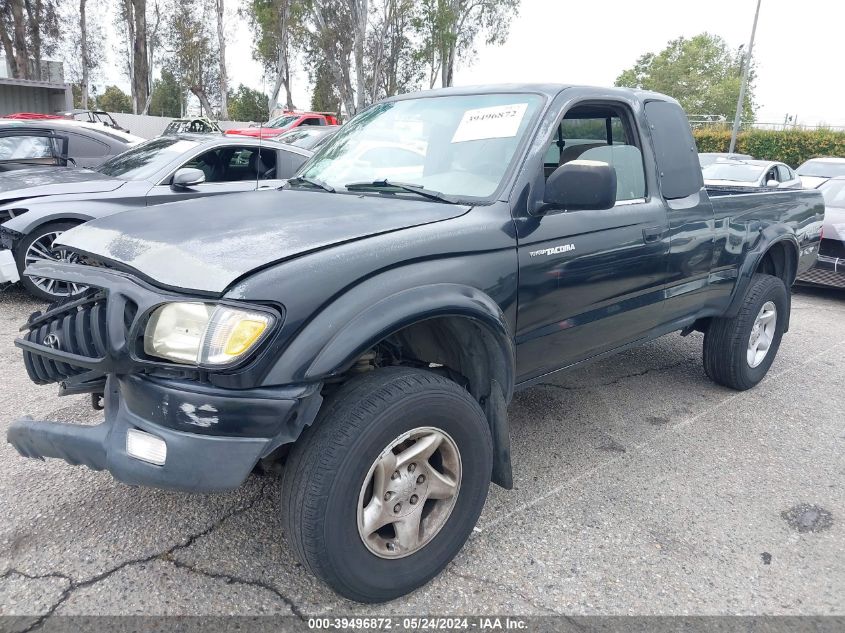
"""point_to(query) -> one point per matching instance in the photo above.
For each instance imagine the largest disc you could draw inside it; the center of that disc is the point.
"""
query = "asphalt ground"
(641, 488)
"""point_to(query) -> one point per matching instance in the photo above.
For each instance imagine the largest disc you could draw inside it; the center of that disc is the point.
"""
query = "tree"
(246, 104)
(82, 48)
(167, 96)
(133, 16)
(702, 73)
(114, 99)
(449, 29)
(324, 97)
(278, 30)
(394, 64)
(29, 29)
(338, 37)
(192, 52)
(221, 58)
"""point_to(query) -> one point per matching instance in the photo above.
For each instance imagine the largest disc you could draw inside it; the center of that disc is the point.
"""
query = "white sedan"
(731, 172)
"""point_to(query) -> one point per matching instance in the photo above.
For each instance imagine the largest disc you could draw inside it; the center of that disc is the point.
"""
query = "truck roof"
(548, 89)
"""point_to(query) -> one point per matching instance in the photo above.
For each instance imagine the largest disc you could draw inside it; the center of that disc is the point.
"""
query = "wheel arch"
(453, 325)
(776, 256)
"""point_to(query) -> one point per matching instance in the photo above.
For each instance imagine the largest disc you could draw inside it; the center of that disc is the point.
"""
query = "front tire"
(384, 488)
(738, 351)
(37, 246)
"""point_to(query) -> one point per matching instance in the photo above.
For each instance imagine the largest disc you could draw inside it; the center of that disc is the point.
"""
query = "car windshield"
(461, 146)
(735, 171)
(282, 121)
(145, 160)
(834, 193)
(821, 169)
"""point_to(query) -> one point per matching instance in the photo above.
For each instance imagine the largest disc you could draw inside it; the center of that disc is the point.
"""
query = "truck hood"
(207, 244)
(50, 181)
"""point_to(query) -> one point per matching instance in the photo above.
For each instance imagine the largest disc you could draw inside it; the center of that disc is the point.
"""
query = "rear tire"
(730, 356)
(333, 472)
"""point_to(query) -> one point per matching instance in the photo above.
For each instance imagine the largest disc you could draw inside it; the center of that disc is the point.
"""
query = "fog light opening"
(146, 447)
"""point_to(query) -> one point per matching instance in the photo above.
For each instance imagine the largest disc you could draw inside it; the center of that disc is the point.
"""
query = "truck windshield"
(143, 161)
(460, 146)
(734, 171)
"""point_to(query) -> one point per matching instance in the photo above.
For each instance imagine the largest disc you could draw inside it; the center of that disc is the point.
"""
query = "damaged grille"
(75, 327)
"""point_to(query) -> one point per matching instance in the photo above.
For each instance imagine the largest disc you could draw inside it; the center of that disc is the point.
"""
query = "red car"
(286, 121)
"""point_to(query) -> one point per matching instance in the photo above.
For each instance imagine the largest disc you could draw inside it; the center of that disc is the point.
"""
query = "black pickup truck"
(369, 323)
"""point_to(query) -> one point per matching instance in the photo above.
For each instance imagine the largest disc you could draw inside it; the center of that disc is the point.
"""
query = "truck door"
(591, 281)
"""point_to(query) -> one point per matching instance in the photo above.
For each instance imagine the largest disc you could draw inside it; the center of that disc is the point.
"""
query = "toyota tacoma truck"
(368, 323)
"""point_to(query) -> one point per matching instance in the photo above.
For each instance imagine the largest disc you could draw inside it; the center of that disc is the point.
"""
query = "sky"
(797, 49)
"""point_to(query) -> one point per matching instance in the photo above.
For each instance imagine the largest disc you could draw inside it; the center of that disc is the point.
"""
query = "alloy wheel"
(409, 492)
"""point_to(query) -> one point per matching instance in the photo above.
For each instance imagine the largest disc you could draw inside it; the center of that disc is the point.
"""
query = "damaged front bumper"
(213, 437)
(166, 428)
(8, 268)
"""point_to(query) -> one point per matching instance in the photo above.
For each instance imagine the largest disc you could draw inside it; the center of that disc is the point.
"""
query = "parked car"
(37, 206)
(57, 142)
(97, 117)
(286, 121)
(731, 172)
(194, 125)
(372, 332)
(817, 170)
(708, 158)
(308, 136)
(830, 267)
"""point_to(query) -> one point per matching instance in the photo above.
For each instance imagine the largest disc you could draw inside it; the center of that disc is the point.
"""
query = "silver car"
(816, 171)
(731, 172)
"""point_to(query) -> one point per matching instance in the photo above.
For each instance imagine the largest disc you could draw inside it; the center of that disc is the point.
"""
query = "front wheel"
(738, 351)
(40, 245)
(382, 491)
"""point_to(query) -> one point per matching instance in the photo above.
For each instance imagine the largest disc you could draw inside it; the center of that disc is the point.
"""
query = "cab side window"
(601, 133)
(230, 164)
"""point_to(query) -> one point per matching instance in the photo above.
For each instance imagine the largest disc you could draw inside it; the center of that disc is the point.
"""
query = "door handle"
(653, 234)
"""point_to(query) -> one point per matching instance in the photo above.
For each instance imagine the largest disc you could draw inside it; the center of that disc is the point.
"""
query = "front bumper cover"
(8, 268)
(214, 438)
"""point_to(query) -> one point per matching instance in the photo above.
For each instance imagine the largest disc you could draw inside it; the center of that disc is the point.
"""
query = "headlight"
(204, 333)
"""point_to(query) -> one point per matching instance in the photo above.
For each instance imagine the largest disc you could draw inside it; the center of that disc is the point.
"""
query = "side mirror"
(187, 177)
(581, 185)
(772, 183)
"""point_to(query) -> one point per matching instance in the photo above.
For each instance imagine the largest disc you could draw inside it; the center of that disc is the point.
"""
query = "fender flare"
(311, 358)
(767, 239)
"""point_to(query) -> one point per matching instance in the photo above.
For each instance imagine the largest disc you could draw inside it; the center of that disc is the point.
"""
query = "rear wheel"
(40, 245)
(738, 351)
(382, 491)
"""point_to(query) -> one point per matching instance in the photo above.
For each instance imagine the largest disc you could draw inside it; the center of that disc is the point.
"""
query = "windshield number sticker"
(493, 122)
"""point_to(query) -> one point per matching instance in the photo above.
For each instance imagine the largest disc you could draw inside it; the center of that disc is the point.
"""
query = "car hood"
(207, 244)
(834, 223)
(811, 182)
(51, 181)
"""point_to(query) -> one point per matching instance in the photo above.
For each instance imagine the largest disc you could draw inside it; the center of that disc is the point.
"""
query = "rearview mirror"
(187, 177)
(581, 185)
(772, 183)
